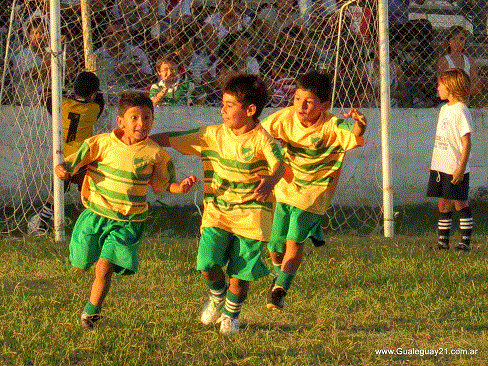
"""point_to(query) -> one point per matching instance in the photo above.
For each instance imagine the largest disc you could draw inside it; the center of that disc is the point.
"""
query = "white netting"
(212, 39)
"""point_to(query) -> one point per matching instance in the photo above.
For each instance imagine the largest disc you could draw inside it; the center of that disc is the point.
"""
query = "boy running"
(314, 145)
(241, 164)
(120, 167)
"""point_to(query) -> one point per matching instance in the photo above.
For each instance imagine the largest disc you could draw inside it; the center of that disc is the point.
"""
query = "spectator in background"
(193, 56)
(30, 67)
(228, 18)
(171, 88)
(370, 78)
(294, 41)
(282, 84)
(277, 16)
(236, 46)
(123, 65)
(476, 12)
(454, 55)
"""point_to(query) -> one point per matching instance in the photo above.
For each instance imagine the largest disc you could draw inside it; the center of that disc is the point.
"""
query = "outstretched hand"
(265, 187)
(360, 121)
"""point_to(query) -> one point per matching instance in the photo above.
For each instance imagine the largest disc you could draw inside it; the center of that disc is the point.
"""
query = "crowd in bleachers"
(206, 42)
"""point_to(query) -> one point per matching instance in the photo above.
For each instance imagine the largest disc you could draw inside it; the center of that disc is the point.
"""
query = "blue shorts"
(440, 186)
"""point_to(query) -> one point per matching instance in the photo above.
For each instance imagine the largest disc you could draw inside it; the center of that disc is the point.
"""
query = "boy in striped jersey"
(120, 167)
(314, 144)
(241, 165)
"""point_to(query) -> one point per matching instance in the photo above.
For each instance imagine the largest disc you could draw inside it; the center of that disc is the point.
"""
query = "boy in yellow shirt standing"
(314, 145)
(241, 166)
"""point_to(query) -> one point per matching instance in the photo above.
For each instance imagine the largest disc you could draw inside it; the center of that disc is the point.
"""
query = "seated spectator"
(454, 55)
(138, 17)
(236, 46)
(192, 55)
(294, 41)
(228, 18)
(30, 67)
(223, 69)
(277, 16)
(123, 66)
(370, 80)
(171, 88)
(281, 80)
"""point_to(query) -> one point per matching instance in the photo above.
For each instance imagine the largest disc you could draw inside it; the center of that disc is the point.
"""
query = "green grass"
(356, 295)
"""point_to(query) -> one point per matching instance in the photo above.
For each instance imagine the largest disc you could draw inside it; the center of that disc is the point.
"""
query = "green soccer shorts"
(292, 223)
(218, 247)
(97, 237)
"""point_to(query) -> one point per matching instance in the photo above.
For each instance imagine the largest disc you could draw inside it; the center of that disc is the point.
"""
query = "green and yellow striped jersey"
(314, 154)
(118, 175)
(231, 165)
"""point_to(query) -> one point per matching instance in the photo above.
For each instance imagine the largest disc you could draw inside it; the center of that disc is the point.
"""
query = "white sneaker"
(229, 325)
(33, 226)
(211, 311)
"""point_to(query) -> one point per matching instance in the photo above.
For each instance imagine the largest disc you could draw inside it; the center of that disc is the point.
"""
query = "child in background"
(241, 164)
(449, 170)
(171, 89)
(80, 113)
(314, 146)
(120, 167)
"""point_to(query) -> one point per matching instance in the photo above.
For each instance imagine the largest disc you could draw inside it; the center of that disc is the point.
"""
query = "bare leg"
(103, 278)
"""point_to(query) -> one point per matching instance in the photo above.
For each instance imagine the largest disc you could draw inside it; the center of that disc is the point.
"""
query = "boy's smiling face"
(239, 119)
(136, 123)
(308, 106)
(168, 72)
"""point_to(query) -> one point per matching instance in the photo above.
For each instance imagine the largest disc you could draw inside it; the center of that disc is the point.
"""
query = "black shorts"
(440, 186)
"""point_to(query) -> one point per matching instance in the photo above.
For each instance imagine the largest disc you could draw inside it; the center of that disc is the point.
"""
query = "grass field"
(354, 297)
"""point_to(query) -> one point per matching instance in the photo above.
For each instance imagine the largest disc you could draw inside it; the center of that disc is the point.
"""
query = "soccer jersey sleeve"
(273, 124)
(188, 142)
(346, 137)
(465, 121)
(87, 153)
(163, 174)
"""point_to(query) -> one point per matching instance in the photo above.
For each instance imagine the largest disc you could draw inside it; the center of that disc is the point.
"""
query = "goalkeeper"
(314, 144)
(80, 113)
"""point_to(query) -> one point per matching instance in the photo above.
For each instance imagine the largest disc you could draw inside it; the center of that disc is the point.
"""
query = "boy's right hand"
(61, 171)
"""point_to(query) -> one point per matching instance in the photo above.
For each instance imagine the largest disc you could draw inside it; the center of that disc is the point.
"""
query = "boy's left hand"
(188, 183)
(359, 118)
(265, 187)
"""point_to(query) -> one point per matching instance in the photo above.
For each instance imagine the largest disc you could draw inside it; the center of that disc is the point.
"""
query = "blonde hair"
(457, 82)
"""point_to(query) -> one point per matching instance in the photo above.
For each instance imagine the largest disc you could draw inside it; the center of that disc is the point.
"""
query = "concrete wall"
(25, 154)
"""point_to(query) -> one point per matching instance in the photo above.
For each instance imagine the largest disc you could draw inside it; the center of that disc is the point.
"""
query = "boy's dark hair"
(248, 89)
(129, 99)
(316, 82)
(169, 58)
(86, 84)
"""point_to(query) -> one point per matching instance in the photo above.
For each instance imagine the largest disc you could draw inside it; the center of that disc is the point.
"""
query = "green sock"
(284, 280)
(233, 304)
(217, 288)
(277, 267)
(91, 309)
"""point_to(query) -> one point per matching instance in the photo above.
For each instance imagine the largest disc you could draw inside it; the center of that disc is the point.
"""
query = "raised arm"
(360, 121)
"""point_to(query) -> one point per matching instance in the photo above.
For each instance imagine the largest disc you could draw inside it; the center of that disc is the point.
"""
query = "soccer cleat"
(442, 246)
(211, 310)
(276, 298)
(88, 321)
(229, 325)
(37, 227)
(463, 247)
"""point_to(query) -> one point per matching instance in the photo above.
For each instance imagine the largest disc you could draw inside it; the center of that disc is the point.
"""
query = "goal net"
(122, 41)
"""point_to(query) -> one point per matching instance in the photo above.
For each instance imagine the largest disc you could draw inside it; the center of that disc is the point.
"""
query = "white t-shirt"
(454, 122)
